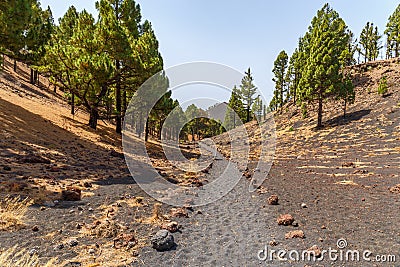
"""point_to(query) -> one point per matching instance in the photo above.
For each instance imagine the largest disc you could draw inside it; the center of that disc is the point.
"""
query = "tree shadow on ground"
(23, 132)
(350, 117)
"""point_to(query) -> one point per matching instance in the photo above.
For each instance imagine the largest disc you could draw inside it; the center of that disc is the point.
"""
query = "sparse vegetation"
(383, 86)
(12, 212)
(14, 257)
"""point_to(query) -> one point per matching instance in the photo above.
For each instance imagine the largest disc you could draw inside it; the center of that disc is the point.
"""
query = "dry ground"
(342, 173)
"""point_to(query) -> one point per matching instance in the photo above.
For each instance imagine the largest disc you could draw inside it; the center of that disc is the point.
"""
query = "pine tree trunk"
(294, 90)
(73, 105)
(344, 110)
(32, 82)
(319, 111)
(146, 134)
(15, 65)
(36, 77)
(94, 116)
(124, 101)
(118, 104)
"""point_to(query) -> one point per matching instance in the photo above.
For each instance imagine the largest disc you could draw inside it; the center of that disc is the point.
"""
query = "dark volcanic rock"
(163, 241)
(34, 159)
(7, 168)
(71, 194)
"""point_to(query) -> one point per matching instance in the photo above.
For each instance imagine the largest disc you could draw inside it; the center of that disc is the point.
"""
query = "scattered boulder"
(171, 226)
(285, 219)
(7, 168)
(304, 205)
(33, 159)
(125, 240)
(35, 228)
(163, 241)
(179, 212)
(295, 234)
(71, 194)
(273, 200)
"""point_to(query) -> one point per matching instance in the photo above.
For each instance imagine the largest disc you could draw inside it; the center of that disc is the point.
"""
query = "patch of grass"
(13, 257)
(12, 212)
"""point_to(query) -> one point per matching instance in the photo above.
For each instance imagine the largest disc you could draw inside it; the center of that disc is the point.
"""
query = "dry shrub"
(157, 213)
(156, 218)
(105, 228)
(12, 257)
(12, 211)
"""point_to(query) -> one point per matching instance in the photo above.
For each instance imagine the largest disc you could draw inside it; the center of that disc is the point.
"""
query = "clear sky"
(239, 34)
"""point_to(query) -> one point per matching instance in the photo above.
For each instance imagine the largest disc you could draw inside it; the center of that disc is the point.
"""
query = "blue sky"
(239, 34)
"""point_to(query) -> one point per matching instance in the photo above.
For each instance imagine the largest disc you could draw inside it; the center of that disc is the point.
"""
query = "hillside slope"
(44, 150)
(347, 172)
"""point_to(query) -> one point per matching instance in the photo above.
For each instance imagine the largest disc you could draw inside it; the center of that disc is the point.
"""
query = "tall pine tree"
(279, 70)
(235, 114)
(369, 42)
(393, 34)
(328, 45)
(247, 91)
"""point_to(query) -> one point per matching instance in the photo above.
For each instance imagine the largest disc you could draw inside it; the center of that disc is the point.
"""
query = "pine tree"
(176, 120)
(118, 24)
(75, 60)
(38, 35)
(257, 108)
(292, 77)
(279, 70)
(136, 56)
(301, 62)
(346, 93)
(393, 34)
(14, 17)
(247, 91)
(235, 114)
(328, 45)
(59, 71)
(369, 42)
(192, 127)
(273, 104)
